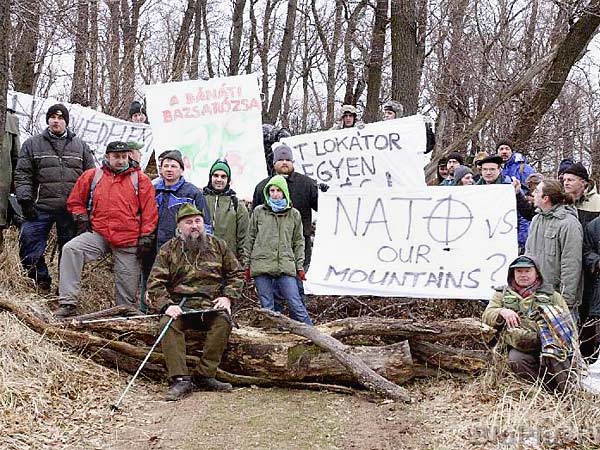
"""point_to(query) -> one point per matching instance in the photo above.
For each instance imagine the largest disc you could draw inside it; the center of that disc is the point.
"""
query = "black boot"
(181, 387)
(64, 311)
(212, 384)
(44, 286)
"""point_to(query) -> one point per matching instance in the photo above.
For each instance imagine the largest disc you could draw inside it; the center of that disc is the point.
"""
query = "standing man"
(49, 164)
(271, 135)
(582, 190)
(134, 151)
(556, 240)
(115, 212)
(201, 268)
(348, 119)
(303, 192)
(455, 159)
(8, 158)
(515, 164)
(491, 171)
(228, 217)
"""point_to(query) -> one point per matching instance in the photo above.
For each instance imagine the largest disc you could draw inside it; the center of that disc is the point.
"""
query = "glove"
(28, 207)
(145, 246)
(323, 187)
(82, 224)
(247, 275)
(302, 275)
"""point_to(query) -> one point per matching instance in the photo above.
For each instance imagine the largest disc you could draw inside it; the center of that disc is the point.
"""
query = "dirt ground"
(444, 415)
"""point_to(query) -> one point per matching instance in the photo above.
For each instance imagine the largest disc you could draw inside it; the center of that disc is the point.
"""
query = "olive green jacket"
(229, 222)
(525, 337)
(8, 156)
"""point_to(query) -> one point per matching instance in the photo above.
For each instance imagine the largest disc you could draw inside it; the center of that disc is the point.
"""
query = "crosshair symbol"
(452, 225)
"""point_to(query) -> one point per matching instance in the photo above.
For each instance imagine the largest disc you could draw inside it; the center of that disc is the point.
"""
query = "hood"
(281, 183)
(590, 190)
(559, 212)
(219, 162)
(516, 158)
(511, 272)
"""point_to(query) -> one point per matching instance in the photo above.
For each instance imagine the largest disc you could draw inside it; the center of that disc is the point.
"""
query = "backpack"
(98, 175)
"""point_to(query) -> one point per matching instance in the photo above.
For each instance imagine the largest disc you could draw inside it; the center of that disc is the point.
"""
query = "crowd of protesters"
(179, 248)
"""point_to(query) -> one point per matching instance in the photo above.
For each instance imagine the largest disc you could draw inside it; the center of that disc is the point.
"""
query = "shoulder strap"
(97, 176)
(234, 201)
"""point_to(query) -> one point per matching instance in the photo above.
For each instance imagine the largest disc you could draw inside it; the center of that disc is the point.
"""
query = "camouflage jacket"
(525, 337)
(175, 274)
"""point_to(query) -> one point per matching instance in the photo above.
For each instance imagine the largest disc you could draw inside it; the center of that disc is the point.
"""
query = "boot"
(44, 286)
(64, 311)
(181, 387)
(212, 384)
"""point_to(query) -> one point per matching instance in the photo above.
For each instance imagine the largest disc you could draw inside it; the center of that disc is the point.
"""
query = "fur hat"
(578, 170)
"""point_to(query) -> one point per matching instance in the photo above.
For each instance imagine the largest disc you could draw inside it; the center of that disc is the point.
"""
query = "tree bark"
(93, 83)
(79, 89)
(180, 50)
(407, 24)
(350, 97)
(282, 63)
(568, 52)
(27, 36)
(130, 17)
(237, 28)
(372, 113)
(114, 68)
(209, 65)
(5, 36)
(194, 60)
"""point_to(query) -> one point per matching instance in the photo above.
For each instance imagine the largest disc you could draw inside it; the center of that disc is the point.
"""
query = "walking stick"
(115, 407)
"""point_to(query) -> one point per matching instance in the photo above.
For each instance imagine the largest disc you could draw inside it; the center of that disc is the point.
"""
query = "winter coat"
(525, 337)
(229, 219)
(517, 167)
(304, 193)
(169, 199)
(588, 206)
(556, 240)
(8, 157)
(591, 258)
(48, 167)
(117, 213)
(275, 243)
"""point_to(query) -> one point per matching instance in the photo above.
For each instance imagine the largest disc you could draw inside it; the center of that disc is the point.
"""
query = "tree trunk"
(194, 60)
(209, 66)
(114, 68)
(180, 51)
(26, 36)
(282, 63)
(568, 52)
(5, 36)
(79, 89)
(352, 18)
(237, 28)
(129, 25)
(372, 113)
(93, 82)
(408, 52)
(253, 38)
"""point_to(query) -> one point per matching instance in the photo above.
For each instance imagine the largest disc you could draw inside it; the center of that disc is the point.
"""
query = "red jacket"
(116, 205)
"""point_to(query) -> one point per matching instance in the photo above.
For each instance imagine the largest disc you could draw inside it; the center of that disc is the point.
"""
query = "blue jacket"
(169, 200)
(517, 167)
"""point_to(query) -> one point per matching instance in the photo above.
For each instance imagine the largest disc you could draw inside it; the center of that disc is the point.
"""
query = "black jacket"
(304, 194)
(591, 256)
(48, 167)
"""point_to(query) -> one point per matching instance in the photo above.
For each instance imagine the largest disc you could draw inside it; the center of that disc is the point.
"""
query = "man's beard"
(195, 245)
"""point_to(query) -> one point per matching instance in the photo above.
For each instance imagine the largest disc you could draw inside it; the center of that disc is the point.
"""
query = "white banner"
(386, 154)
(210, 119)
(93, 127)
(439, 242)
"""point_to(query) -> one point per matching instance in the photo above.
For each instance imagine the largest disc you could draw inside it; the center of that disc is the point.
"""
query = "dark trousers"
(554, 374)
(34, 239)
(173, 344)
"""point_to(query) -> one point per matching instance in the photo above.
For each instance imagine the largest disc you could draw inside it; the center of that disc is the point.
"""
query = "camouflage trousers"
(182, 336)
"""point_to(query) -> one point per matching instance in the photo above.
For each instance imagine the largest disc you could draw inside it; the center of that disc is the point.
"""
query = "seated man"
(536, 326)
(201, 268)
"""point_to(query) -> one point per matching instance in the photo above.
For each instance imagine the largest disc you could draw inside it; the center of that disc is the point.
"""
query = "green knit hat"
(188, 210)
(220, 164)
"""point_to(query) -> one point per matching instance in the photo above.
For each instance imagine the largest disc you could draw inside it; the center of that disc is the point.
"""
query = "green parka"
(8, 157)
(275, 243)
(229, 219)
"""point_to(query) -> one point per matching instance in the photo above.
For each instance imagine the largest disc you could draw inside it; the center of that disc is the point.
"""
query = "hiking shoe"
(212, 384)
(64, 311)
(44, 287)
(181, 387)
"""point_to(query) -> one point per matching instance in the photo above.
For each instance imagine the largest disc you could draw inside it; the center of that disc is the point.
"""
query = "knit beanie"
(135, 108)
(282, 151)
(60, 110)
(457, 156)
(505, 142)
(578, 170)
(221, 164)
(459, 173)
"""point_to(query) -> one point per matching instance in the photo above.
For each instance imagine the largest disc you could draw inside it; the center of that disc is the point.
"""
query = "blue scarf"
(278, 205)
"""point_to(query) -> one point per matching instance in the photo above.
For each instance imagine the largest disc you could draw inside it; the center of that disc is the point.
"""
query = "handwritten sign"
(93, 127)
(438, 242)
(385, 154)
(211, 119)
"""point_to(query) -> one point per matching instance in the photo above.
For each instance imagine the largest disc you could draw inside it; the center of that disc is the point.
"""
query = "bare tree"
(5, 36)
(130, 16)
(26, 35)
(114, 69)
(351, 94)
(209, 65)
(376, 62)
(237, 28)
(79, 89)
(181, 43)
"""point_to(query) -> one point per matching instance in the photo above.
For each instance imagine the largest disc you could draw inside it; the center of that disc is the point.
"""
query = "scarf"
(278, 205)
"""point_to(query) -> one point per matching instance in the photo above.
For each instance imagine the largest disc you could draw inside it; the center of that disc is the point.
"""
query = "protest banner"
(93, 127)
(438, 242)
(386, 154)
(211, 119)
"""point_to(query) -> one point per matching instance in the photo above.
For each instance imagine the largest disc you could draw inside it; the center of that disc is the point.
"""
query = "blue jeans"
(34, 238)
(288, 288)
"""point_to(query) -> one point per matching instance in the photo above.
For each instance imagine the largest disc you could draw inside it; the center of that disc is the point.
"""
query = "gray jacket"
(556, 241)
(48, 167)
